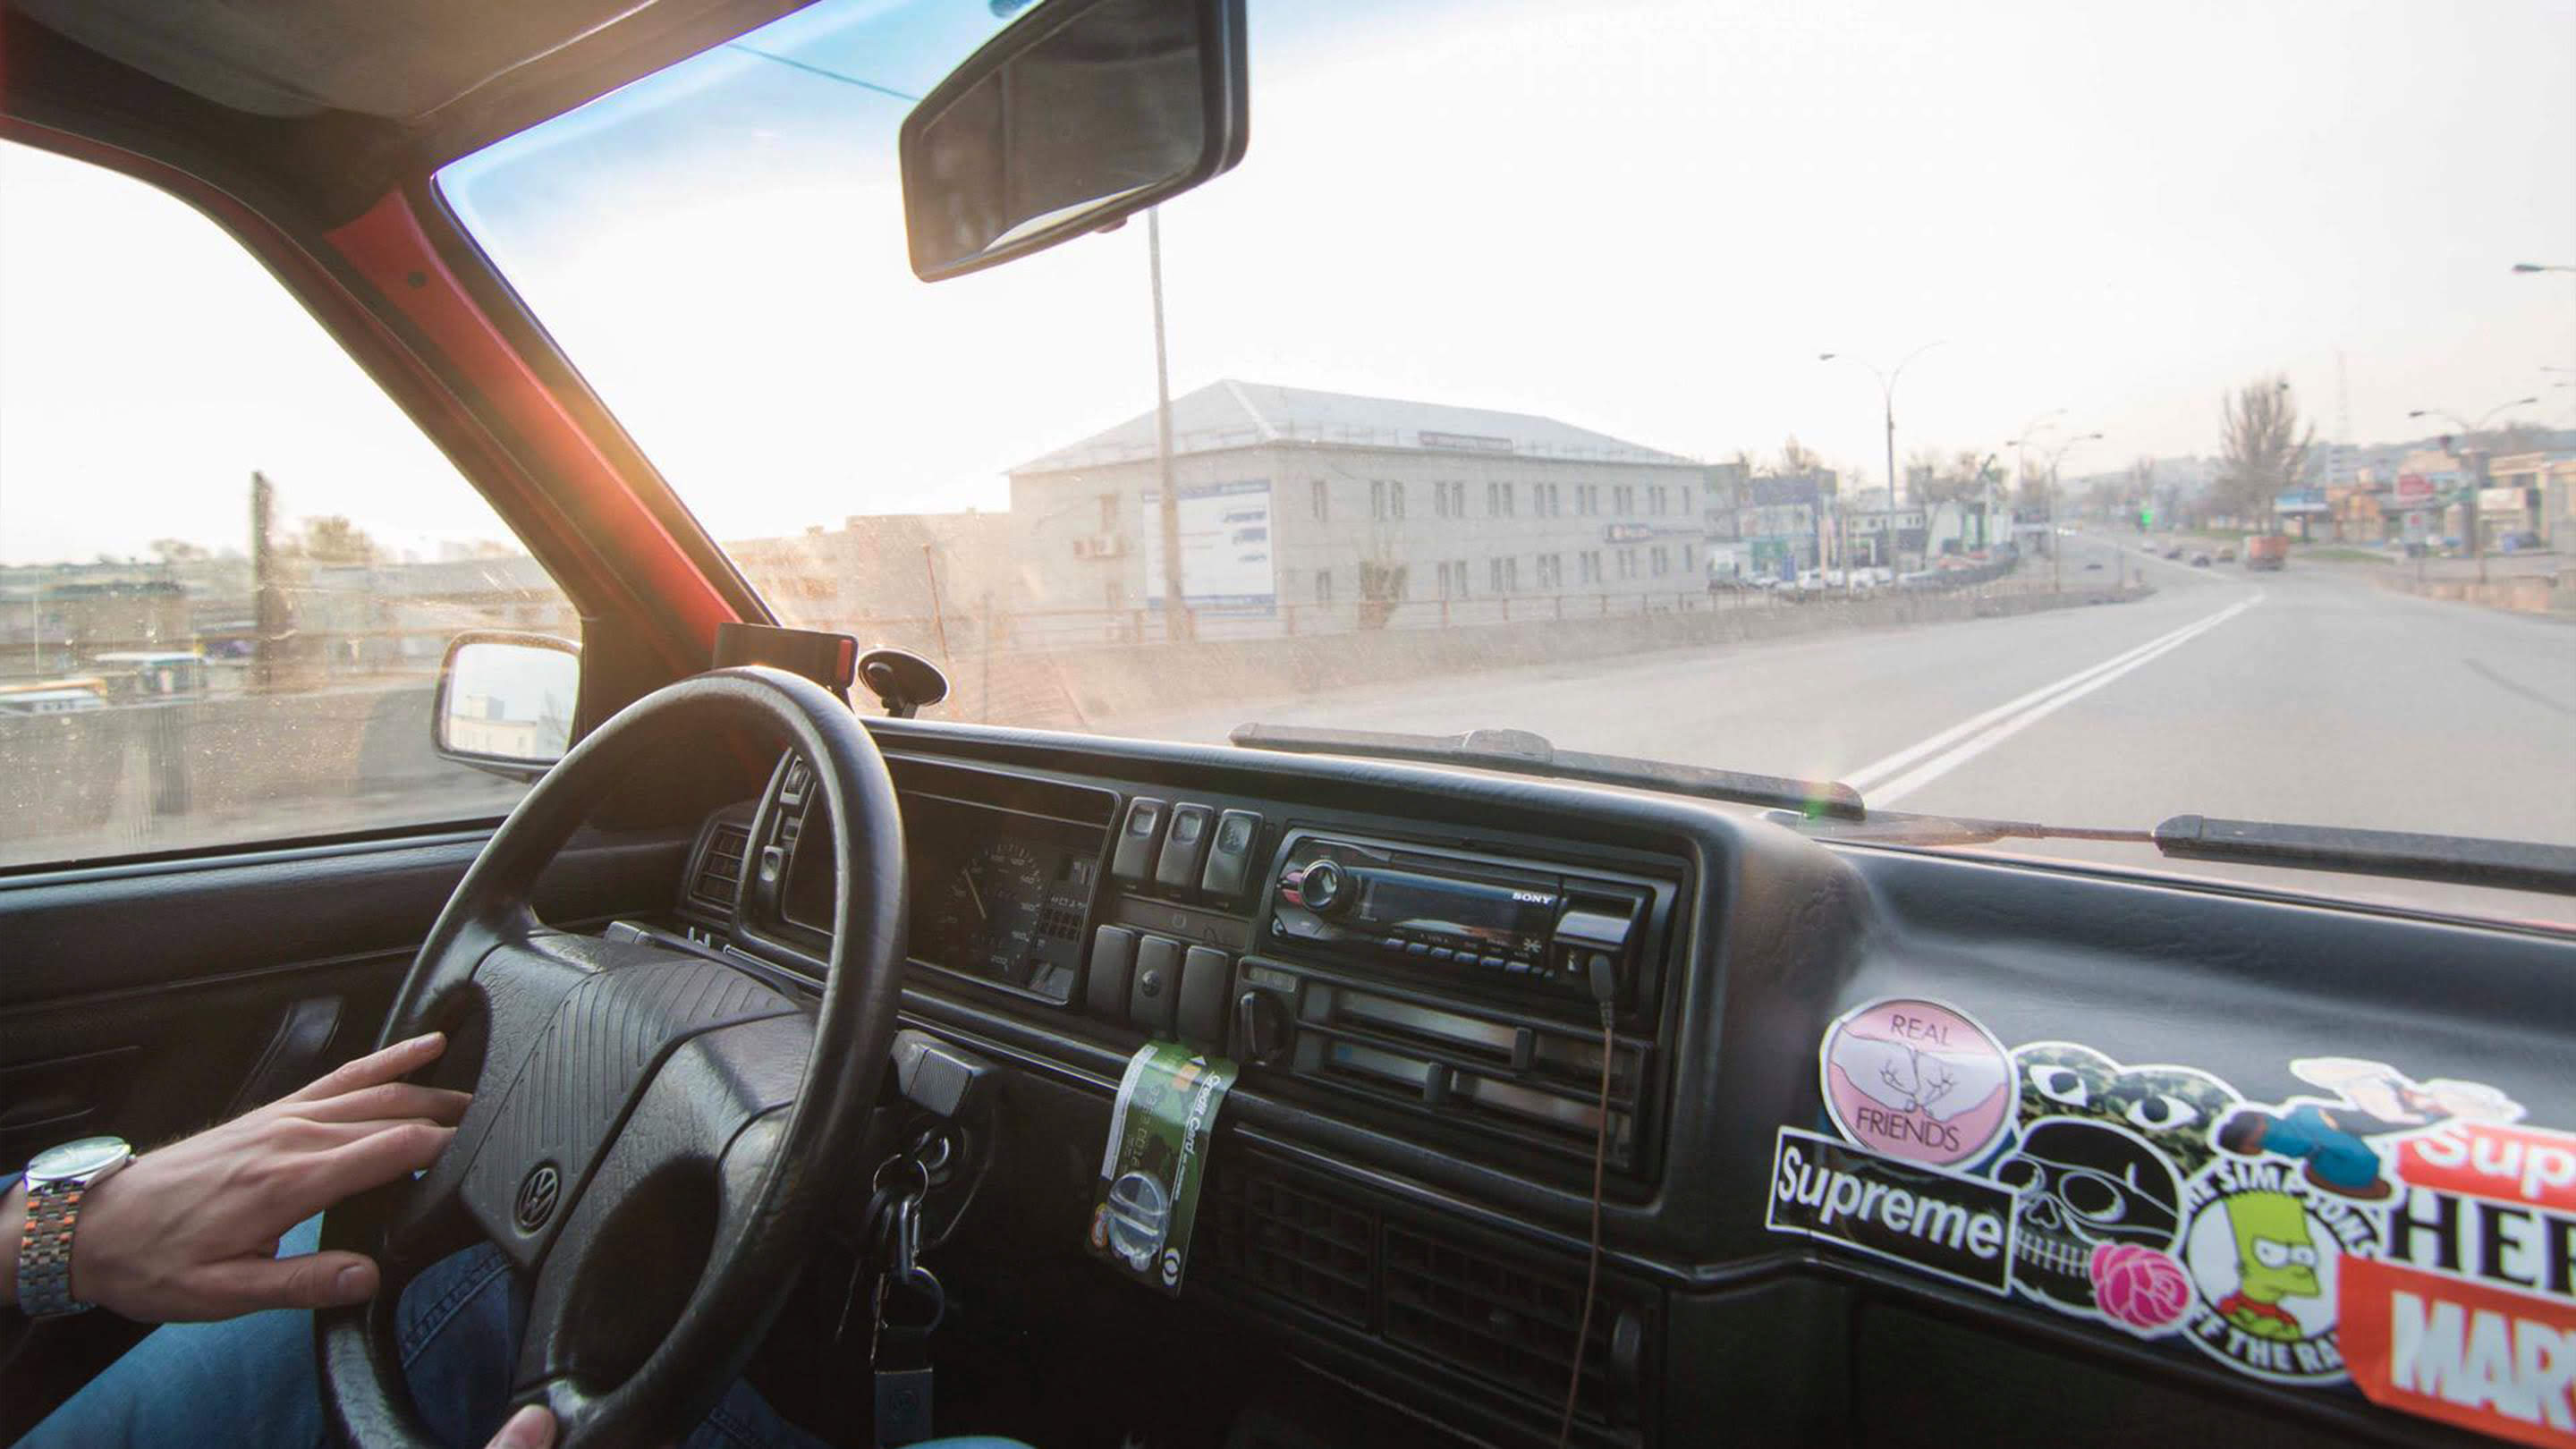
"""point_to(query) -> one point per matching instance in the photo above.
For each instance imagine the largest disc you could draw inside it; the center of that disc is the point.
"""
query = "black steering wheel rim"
(608, 1063)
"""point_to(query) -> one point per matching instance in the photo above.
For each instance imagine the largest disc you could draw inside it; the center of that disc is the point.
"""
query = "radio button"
(1184, 847)
(1206, 972)
(1443, 953)
(1154, 1000)
(1494, 963)
(1133, 860)
(1416, 948)
(1113, 958)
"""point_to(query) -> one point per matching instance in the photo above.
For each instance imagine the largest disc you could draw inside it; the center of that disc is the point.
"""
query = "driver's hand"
(189, 1231)
(530, 1428)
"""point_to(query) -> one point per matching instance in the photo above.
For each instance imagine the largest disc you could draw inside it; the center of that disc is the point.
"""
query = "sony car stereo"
(1384, 903)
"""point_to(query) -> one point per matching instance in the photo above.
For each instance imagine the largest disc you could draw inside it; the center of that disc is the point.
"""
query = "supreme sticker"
(1950, 1226)
(1917, 1080)
(2526, 1165)
(2483, 1358)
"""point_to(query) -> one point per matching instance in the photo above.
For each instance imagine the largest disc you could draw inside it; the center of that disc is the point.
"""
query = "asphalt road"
(2305, 696)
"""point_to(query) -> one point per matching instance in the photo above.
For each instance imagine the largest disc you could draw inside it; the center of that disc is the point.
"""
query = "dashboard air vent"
(719, 875)
(1310, 1249)
(1504, 1320)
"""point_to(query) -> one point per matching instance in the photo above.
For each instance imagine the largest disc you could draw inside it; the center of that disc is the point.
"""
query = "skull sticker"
(2080, 1185)
(2097, 1179)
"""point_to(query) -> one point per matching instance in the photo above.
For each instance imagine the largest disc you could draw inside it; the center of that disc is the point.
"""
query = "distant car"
(2093, 563)
(2200, 560)
(2227, 554)
(2174, 552)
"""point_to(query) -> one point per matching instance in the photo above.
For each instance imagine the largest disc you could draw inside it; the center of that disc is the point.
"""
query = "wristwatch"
(56, 1182)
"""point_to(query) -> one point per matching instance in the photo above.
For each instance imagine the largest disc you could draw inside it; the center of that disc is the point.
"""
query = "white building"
(1325, 501)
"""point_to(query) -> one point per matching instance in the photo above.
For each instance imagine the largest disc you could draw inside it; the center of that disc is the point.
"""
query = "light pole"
(2056, 551)
(1887, 410)
(2529, 269)
(2021, 459)
(1178, 626)
(2474, 456)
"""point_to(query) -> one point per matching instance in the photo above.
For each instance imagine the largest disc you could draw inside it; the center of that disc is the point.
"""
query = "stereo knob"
(1325, 888)
(1260, 1027)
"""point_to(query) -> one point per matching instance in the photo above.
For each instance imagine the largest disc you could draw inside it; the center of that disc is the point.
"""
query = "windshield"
(2080, 415)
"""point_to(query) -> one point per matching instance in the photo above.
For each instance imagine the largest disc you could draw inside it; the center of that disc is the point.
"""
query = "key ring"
(877, 1182)
(924, 1283)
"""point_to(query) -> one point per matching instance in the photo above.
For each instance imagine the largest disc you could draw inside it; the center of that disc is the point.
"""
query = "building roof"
(1232, 414)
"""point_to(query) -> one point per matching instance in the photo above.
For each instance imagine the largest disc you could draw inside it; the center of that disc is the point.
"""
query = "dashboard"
(1445, 988)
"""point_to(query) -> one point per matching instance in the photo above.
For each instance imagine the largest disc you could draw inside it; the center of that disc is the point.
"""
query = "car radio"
(1404, 905)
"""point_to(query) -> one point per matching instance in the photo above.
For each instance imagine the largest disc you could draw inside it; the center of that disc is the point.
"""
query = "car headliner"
(327, 104)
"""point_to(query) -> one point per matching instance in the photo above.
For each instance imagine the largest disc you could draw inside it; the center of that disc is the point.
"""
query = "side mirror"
(505, 701)
(1080, 114)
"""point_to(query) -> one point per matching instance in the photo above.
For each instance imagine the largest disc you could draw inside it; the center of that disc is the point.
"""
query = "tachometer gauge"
(988, 910)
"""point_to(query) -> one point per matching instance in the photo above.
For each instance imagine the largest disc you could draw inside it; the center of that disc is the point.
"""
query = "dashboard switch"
(1229, 861)
(1206, 972)
(1154, 1000)
(1133, 860)
(1113, 961)
(1185, 846)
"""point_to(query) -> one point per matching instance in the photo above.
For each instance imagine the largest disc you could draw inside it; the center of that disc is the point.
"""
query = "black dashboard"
(1418, 970)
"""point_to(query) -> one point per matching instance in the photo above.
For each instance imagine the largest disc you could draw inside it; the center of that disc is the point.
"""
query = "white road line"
(1901, 773)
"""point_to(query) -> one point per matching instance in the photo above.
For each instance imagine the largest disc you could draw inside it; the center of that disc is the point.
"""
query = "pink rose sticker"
(2140, 1289)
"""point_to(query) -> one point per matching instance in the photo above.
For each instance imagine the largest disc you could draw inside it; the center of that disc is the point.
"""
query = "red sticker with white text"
(2483, 1358)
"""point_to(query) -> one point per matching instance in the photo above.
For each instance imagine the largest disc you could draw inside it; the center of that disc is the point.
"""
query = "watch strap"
(45, 1249)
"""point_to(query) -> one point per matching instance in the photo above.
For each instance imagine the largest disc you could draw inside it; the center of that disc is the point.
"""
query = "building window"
(1551, 571)
(1686, 558)
(1395, 499)
(1320, 499)
(1493, 576)
(1108, 513)
(1323, 586)
(1511, 576)
(1623, 499)
(1658, 559)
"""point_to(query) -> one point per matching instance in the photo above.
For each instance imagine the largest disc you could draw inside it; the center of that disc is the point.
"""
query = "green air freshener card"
(1149, 1177)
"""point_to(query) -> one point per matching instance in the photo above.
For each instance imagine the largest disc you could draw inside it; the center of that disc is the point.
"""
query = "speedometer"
(988, 909)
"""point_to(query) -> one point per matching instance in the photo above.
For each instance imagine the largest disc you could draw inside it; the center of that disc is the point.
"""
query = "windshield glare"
(1552, 373)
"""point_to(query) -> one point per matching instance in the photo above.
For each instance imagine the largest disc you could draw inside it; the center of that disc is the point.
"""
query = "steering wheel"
(653, 1132)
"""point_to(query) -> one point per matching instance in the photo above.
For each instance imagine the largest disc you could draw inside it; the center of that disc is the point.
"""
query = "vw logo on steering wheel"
(538, 1193)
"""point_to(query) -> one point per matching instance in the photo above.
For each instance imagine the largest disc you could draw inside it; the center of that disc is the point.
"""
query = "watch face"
(76, 1159)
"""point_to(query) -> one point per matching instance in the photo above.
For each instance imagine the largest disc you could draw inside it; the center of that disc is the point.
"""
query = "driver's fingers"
(530, 1428)
(401, 1058)
(305, 1135)
(384, 1102)
(236, 1286)
(379, 1157)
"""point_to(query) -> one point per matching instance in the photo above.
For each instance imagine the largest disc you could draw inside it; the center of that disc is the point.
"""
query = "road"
(2306, 696)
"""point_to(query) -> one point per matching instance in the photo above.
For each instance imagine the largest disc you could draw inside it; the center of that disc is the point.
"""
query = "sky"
(1645, 218)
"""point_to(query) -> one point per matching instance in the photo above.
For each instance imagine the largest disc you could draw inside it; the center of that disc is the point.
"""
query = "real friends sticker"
(1917, 1081)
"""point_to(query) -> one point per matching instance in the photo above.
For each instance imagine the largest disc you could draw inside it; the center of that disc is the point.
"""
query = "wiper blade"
(2452, 859)
(2458, 859)
(1887, 827)
(1524, 753)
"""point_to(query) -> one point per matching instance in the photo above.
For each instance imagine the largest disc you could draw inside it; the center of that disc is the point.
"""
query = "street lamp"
(2021, 457)
(2527, 268)
(2468, 442)
(2056, 551)
(1887, 409)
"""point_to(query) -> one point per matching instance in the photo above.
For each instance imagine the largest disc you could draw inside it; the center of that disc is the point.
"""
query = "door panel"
(151, 1001)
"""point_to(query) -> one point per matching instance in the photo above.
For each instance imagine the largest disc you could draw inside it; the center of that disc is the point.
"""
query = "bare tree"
(334, 539)
(2264, 451)
(1934, 478)
(1797, 459)
(177, 550)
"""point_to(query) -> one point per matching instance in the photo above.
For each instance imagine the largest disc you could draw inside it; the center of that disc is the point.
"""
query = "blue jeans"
(2340, 1159)
(250, 1382)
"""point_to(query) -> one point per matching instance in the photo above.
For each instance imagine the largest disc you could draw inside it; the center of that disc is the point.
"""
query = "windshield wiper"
(1524, 753)
(2459, 859)
(2451, 859)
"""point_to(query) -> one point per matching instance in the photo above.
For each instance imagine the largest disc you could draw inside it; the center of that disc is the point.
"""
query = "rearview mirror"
(1078, 115)
(505, 701)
